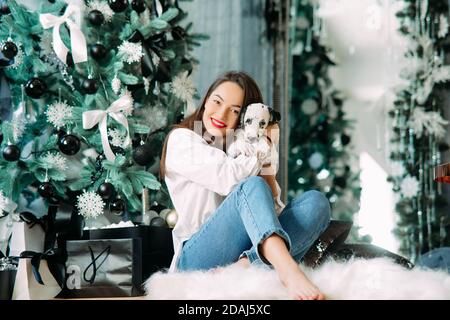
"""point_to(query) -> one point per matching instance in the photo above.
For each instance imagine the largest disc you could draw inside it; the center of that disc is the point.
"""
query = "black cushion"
(346, 252)
(335, 235)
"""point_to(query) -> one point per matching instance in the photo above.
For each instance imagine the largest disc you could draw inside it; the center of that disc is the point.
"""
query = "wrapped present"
(35, 279)
(8, 271)
(157, 244)
(103, 268)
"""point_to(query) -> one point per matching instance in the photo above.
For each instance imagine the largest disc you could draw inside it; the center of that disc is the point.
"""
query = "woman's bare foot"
(243, 262)
(298, 285)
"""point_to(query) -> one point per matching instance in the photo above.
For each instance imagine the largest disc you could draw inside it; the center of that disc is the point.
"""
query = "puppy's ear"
(275, 116)
(242, 116)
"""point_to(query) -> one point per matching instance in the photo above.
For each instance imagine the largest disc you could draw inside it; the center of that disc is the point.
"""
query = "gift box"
(157, 244)
(39, 271)
(103, 268)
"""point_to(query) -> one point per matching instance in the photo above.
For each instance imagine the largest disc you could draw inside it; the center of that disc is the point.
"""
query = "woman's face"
(222, 108)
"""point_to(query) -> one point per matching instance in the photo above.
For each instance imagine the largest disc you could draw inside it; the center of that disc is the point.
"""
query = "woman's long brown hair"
(252, 94)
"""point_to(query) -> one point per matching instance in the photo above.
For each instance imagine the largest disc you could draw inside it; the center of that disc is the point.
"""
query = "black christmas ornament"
(4, 9)
(46, 190)
(69, 144)
(35, 88)
(96, 18)
(157, 207)
(117, 206)
(340, 181)
(11, 153)
(178, 33)
(345, 139)
(9, 49)
(98, 51)
(106, 191)
(322, 132)
(118, 5)
(138, 5)
(158, 222)
(143, 155)
(180, 117)
(118, 150)
(163, 73)
(90, 86)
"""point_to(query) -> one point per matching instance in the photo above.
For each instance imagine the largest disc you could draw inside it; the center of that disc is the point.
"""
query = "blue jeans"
(246, 218)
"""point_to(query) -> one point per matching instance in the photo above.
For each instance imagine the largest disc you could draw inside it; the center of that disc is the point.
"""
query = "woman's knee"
(320, 205)
(254, 182)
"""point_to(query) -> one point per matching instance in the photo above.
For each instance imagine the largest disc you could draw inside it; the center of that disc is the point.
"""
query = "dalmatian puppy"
(251, 136)
(251, 133)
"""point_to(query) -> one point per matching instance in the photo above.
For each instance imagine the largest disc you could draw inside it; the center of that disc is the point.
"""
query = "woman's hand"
(268, 171)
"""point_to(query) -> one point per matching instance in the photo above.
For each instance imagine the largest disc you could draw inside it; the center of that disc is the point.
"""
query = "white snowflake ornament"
(103, 7)
(57, 114)
(90, 204)
(183, 87)
(409, 187)
(132, 52)
(55, 160)
(117, 138)
(431, 122)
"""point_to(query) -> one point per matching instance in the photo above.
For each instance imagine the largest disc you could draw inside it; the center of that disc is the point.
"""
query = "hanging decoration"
(419, 128)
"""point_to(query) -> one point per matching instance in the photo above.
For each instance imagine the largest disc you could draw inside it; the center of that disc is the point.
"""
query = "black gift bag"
(157, 244)
(7, 279)
(103, 268)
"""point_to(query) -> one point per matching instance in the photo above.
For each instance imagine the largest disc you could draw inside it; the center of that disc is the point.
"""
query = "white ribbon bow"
(93, 117)
(77, 40)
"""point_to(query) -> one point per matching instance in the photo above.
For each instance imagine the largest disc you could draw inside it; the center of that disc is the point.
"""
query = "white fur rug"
(357, 279)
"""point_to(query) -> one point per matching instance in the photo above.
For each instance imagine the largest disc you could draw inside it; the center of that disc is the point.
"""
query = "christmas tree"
(320, 135)
(94, 88)
(417, 139)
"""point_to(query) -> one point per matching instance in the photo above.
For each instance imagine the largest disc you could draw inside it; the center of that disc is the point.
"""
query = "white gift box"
(26, 287)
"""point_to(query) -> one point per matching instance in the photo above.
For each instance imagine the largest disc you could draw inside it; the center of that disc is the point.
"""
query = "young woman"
(226, 211)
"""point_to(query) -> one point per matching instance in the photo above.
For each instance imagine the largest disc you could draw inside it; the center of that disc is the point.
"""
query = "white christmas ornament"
(183, 87)
(132, 52)
(443, 26)
(19, 121)
(90, 204)
(172, 218)
(309, 106)
(117, 138)
(315, 160)
(57, 114)
(115, 84)
(430, 121)
(55, 160)
(46, 44)
(409, 187)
